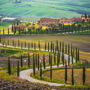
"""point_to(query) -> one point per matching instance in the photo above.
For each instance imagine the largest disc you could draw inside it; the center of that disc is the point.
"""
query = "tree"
(76, 55)
(60, 46)
(48, 46)
(68, 54)
(28, 46)
(44, 61)
(38, 61)
(84, 76)
(0, 39)
(51, 68)
(66, 73)
(33, 65)
(40, 71)
(45, 46)
(66, 49)
(9, 66)
(58, 59)
(54, 58)
(18, 70)
(39, 44)
(28, 60)
(72, 76)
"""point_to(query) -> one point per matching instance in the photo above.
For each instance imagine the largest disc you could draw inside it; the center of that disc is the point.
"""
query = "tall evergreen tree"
(60, 46)
(9, 66)
(66, 73)
(40, 71)
(33, 65)
(44, 61)
(38, 61)
(48, 46)
(76, 55)
(28, 60)
(72, 76)
(66, 49)
(54, 58)
(68, 54)
(45, 46)
(39, 44)
(84, 76)
(51, 68)
(18, 70)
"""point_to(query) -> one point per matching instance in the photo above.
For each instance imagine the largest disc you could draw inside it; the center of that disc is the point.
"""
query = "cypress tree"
(66, 73)
(44, 61)
(54, 58)
(28, 46)
(45, 46)
(68, 54)
(51, 68)
(76, 56)
(66, 49)
(48, 46)
(33, 65)
(63, 58)
(38, 61)
(72, 58)
(40, 71)
(0, 39)
(9, 66)
(57, 45)
(49, 58)
(60, 46)
(3, 32)
(18, 70)
(39, 44)
(72, 76)
(51, 46)
(21, 61)
(84, 76)
(28, 60)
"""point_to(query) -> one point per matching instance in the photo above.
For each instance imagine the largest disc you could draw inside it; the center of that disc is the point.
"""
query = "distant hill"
(44, 8)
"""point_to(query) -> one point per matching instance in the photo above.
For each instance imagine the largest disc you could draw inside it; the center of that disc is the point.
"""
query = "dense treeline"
(61, 28)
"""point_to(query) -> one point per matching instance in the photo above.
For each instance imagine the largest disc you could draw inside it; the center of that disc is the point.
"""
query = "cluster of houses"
(52, 21)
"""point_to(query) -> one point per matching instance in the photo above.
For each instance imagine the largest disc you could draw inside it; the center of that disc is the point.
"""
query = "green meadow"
(45, 8)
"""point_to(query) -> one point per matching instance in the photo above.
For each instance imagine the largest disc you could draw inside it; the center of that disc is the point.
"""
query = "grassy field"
(40, 8)
(58, 76)
(80, 41)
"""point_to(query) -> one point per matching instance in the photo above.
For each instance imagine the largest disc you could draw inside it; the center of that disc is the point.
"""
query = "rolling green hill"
(45, 8)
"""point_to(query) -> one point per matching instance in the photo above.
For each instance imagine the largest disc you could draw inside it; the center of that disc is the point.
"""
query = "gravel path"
(25, 74)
